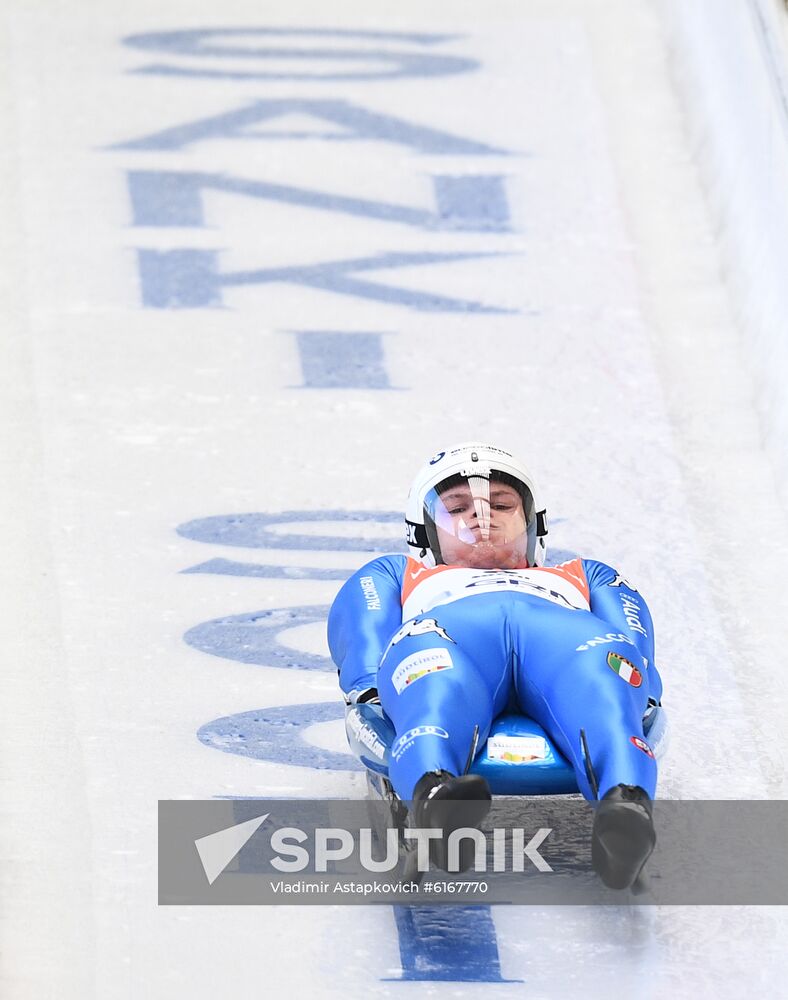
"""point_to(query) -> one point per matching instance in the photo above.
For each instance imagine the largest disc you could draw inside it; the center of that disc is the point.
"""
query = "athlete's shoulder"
(386, 572)
(600, 574)
(375, 586)
(392, 565)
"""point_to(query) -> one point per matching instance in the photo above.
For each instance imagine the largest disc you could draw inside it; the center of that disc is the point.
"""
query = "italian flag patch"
(626, 670)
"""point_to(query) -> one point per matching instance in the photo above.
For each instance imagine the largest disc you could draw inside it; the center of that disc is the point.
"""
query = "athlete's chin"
(490, 556)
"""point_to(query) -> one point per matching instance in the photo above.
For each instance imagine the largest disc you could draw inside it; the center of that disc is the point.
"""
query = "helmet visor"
(479, 521)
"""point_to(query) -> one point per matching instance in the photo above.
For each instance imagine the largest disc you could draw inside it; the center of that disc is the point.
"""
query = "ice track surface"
(239, 283)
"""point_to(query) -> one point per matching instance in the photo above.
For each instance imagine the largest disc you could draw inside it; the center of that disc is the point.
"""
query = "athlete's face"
(482, 526)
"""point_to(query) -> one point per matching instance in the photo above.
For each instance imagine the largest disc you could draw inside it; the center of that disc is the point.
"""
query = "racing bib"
(424, 589)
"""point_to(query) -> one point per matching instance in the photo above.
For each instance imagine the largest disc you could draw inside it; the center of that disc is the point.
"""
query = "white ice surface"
(619, 378)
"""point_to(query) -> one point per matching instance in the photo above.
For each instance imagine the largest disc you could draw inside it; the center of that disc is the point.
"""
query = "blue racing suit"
(450, 648)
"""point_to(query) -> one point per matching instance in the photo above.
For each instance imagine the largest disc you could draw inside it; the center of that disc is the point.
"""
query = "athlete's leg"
(439, 683)
(570, 681)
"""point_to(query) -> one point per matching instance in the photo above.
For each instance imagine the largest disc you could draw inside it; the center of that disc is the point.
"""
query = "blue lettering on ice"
(356, 123)
(455, 944)
(229, 567)
(190, 279)
(397, 63)
(178, 279)
(252, 531)
(277, 735)
(254, 638)
(470, 203)
(334, 360)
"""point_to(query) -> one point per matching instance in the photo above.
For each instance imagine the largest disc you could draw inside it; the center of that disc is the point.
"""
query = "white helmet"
(453, 508)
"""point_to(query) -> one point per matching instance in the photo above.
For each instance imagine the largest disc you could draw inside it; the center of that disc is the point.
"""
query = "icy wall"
(731, 60)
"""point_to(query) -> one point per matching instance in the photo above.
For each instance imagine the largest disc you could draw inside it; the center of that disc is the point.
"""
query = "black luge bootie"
(442, 801)
(623, 836)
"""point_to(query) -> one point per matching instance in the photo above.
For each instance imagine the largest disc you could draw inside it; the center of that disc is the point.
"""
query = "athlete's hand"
(366, 696)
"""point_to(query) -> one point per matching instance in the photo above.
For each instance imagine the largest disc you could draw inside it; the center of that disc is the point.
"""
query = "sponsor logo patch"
(642, 745)
(516, 749)
(599, 640)
(625, 669)
(621, 582)
(418, 665)
(405, 742)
